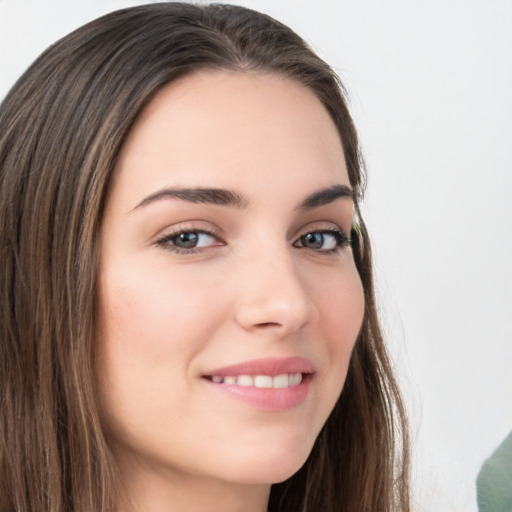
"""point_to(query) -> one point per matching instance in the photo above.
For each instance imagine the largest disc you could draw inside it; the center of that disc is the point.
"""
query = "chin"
(267, 466)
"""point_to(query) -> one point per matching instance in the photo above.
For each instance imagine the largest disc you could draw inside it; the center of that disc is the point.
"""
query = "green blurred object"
(494, 481)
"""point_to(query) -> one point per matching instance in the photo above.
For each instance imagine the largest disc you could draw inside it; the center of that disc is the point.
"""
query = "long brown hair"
(61, 128)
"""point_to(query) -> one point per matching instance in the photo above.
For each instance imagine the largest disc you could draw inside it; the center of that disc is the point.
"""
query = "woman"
(188, 311)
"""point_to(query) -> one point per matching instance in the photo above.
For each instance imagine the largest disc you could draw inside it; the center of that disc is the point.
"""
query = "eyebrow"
(216, 196)
(223, 197)
(326, 196)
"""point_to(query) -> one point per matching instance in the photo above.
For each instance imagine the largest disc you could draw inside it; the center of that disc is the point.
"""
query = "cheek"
(153, 312)
(341, 307)
(148, 332)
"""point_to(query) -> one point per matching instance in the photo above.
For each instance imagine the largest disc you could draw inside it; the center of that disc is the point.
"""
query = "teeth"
(295, 379)
(245, 380)
(282, 381)
(263, 381)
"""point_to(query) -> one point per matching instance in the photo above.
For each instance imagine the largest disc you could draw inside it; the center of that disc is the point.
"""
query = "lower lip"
(266, 399)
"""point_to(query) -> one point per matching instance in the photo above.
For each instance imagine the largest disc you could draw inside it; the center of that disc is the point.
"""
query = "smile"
(281, 381)
(272, 384)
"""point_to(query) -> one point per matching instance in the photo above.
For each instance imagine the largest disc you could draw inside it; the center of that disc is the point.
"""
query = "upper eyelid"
(160, 240)
(333, 231)
(197, 226)
(322, 225)
(171, 231)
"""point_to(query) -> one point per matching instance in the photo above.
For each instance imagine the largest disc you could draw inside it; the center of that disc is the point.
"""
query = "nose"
(271, 295)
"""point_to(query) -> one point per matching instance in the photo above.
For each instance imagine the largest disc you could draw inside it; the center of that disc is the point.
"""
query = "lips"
(271, 384)
(268, 366)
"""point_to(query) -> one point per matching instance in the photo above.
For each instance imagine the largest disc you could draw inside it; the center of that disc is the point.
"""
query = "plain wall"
(430, 84)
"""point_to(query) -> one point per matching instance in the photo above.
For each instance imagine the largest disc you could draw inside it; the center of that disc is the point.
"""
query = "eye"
(188, 241)
(323, 241)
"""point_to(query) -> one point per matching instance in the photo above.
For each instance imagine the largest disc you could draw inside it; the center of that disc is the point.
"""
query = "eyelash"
(166, 239)
(341, 239)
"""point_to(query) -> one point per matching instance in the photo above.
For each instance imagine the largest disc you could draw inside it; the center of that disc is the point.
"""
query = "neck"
(165, 490)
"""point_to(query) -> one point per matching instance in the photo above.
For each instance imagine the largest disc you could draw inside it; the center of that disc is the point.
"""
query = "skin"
(253, 290)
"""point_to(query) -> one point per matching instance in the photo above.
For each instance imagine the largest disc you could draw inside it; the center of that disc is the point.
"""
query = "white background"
(431, 91)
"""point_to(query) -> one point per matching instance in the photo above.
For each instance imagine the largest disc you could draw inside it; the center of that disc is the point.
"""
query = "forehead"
(232, 129)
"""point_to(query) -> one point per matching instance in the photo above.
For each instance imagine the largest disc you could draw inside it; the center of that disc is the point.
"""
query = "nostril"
(268, 324)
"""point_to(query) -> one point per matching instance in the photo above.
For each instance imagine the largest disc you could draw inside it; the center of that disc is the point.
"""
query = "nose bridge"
(272, 294)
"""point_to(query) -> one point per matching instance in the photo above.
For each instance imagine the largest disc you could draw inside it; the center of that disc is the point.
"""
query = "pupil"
(314, 240)
(186, 240)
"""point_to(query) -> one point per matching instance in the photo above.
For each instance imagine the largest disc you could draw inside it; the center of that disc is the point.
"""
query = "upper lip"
(266, 366)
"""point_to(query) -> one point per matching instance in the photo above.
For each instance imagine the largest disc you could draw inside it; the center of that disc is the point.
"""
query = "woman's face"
(225, 268)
